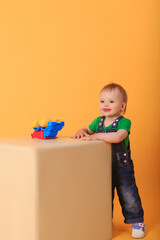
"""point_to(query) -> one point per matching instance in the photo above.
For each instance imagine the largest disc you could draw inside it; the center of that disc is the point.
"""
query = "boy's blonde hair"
(113, 86)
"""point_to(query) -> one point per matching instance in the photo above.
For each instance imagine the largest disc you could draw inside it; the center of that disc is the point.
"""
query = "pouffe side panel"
(74, 193)
(18, 193)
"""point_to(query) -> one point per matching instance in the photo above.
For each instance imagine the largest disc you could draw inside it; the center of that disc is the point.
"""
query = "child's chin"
(107, 114)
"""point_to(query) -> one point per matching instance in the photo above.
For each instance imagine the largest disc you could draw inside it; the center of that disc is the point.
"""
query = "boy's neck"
(109, 120)
(112, 119)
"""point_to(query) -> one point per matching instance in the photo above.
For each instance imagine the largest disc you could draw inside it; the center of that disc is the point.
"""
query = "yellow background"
(56, 55)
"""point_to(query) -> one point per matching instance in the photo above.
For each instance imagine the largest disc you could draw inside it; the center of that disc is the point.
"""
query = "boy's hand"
(90, 137)
(80, 134)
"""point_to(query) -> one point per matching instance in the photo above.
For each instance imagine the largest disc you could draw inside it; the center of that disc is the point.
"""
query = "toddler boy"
(113, 128)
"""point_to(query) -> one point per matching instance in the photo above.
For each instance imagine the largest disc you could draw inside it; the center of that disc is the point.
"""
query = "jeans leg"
(128, 194)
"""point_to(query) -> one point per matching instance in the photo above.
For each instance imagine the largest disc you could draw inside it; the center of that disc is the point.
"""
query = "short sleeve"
(124, 123)
(94, 125)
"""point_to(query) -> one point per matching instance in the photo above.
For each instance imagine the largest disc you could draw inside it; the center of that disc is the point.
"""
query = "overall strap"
(100, 125)
(115, 123)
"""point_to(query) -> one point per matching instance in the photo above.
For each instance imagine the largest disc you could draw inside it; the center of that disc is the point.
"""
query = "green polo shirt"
(124, 123)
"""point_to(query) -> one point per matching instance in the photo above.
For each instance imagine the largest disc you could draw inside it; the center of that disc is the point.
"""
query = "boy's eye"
(101, 101)
(111, 101)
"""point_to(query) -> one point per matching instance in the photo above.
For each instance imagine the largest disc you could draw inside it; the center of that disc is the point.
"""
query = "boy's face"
(111, 103)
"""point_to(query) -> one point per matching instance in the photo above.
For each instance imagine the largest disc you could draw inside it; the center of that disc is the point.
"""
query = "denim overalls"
(123, 177)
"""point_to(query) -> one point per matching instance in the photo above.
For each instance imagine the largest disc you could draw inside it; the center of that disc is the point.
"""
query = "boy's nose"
(106, 104)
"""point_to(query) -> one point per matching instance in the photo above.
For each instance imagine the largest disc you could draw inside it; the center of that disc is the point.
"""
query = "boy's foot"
(138, 230)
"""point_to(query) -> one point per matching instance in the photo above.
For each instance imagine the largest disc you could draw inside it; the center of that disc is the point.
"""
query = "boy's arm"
(82, 133)
(112, 137)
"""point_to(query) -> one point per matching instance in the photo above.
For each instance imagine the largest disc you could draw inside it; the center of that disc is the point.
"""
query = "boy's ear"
(123, 106)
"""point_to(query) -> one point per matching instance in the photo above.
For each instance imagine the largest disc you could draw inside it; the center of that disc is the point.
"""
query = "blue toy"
(48, 132)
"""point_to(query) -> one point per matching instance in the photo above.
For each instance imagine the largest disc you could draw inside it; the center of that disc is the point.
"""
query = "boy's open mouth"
(106, 109)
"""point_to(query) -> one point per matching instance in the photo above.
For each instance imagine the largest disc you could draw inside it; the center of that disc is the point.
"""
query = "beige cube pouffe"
(58, 189)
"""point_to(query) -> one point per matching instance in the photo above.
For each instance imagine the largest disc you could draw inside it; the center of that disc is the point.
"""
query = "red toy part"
(39, 134)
